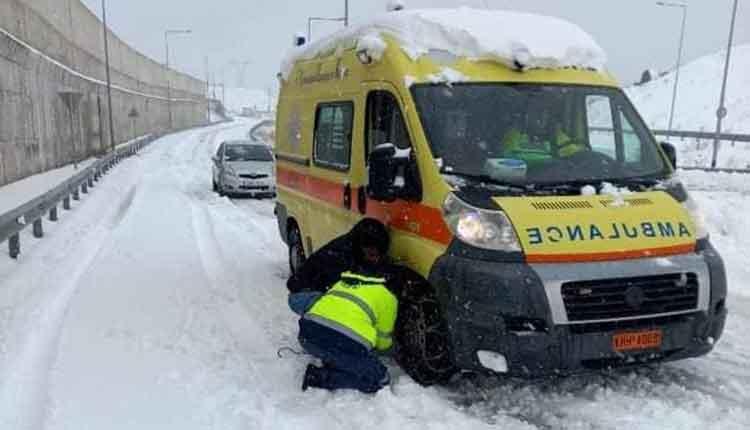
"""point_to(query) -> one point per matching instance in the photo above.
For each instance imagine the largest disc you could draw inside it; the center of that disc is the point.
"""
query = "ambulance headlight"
(699, 219)
(486, 229)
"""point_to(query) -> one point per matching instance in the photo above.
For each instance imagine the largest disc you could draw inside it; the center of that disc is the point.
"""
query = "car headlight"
(699, 218)
(486, 229)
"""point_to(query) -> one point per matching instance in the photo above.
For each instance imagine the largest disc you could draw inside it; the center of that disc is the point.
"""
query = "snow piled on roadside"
(697, 101)
(17, 193)
(510, 38)
(724, 200)
(698, 96)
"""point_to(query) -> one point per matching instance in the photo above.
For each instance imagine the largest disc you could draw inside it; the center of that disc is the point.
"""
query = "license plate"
(631, 341)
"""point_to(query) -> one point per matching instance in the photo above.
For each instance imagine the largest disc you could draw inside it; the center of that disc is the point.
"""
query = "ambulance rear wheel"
(296, 250)
(422, 337)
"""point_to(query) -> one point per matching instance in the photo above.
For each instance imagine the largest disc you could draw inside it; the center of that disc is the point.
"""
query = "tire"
(220, 189)
(423, 347)
(296, 249)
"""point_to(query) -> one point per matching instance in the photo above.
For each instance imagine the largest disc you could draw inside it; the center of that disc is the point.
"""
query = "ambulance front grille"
(630, 297)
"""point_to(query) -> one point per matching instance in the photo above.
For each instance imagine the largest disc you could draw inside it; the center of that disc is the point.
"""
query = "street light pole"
(721, 113)
(346, 13)
(684, 8)
(168, 72)
(109, 77)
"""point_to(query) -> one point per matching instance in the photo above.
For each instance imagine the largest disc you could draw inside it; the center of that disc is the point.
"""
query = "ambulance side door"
(331, 171)
(385, 123)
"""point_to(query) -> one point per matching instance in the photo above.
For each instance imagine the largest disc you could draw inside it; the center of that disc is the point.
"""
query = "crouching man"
(350, 324)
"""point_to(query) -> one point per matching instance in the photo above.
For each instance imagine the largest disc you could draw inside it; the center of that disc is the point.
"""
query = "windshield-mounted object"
(247, 153)
(533, 134)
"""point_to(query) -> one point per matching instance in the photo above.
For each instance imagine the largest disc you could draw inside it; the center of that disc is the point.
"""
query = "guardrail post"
(90, 181)
(76, 194)
(14, 246)
(38, 229)
(66, 203)
(85, 188)
(53, 213)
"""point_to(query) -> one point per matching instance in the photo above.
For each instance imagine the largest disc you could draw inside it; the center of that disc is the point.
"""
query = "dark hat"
(369, 233)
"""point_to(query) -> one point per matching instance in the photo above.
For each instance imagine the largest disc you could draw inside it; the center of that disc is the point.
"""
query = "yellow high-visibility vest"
(360, 307)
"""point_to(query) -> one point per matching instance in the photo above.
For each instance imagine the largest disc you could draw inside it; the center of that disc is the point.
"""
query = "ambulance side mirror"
(671, 152)
(383, 170)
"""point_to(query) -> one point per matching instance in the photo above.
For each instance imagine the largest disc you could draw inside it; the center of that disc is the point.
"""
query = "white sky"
(636, 34)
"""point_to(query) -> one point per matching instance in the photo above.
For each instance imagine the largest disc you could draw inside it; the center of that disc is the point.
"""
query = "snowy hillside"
(697, 101)
(698, 97)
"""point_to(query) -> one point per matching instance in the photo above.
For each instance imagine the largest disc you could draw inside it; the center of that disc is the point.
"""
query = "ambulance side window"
(333, 135)
(385, 123)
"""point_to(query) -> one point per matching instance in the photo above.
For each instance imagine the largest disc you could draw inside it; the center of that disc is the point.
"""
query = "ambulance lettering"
(616, 231)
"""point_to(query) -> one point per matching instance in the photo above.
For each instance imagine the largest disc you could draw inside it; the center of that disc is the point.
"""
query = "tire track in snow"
(247, 345)
(216, 318)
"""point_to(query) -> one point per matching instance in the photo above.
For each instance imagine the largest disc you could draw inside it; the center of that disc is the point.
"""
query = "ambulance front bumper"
(518, 313)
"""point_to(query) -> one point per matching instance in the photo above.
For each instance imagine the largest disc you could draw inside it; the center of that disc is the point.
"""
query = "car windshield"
(531, 134)
(247, 153)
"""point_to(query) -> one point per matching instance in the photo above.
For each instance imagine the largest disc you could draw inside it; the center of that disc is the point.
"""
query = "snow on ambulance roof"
(511, 38)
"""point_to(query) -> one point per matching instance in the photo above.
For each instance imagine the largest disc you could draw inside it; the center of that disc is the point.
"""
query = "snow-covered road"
(156, 304)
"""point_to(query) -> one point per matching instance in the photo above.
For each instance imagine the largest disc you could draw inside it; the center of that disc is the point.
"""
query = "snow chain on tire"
(422, 338)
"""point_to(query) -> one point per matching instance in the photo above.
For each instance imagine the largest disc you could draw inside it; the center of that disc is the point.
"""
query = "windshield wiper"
(489, 179)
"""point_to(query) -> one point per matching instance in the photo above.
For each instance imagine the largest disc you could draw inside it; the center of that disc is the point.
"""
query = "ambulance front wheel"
(423, 347)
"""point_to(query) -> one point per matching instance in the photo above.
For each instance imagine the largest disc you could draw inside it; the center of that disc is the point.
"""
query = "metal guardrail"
(702, 135)
(699, 136)
(13, 222)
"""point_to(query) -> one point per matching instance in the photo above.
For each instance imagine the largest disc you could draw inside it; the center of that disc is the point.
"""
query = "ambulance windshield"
(530, 134)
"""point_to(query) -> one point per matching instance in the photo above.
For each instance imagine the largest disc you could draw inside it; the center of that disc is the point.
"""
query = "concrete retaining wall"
(37, 130)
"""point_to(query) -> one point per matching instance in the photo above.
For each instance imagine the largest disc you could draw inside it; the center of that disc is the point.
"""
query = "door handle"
(362, 200)
(348, 196)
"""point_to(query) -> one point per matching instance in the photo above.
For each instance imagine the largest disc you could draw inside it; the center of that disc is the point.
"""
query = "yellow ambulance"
(547, 227)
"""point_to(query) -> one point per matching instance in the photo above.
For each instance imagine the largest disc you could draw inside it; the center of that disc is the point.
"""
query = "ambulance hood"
(599, 227)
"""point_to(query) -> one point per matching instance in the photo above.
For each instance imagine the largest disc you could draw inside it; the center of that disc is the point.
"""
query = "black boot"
(312, 377)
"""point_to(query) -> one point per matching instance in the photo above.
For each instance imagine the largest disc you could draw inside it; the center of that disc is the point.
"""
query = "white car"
(244, 167)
